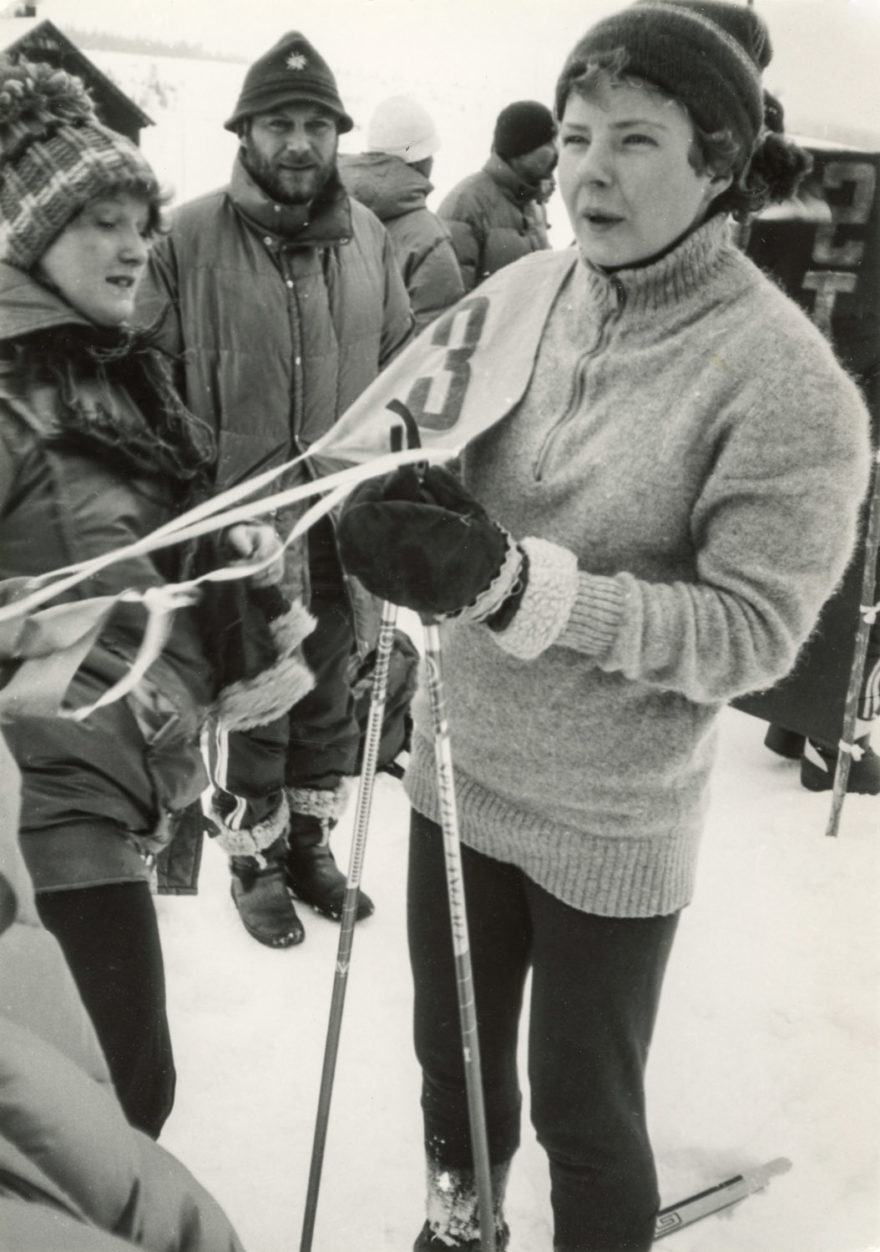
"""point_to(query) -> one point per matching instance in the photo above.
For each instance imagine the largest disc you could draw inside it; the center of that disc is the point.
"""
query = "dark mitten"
(423, 542)
(253, 637)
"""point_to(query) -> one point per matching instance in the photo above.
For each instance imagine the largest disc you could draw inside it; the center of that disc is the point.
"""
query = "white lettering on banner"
(835, 175)
(826, 284)
(828, 249)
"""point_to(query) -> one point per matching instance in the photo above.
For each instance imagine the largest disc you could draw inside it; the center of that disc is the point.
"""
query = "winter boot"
(453, 1210)
(312, 873)
(256, 861)
(787, 743)
(819, 765)
(259, 889)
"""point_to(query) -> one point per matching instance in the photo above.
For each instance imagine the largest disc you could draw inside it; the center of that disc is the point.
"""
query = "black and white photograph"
(440, 626)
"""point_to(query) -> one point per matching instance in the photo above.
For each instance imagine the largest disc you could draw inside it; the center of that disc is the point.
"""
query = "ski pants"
(110, 938)
(317, 742)
(595, 990)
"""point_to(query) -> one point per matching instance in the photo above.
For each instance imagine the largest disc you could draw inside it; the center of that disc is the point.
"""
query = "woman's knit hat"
(292, 71)
(522, 127)
(706, 54)
(55, 156)
(401, 127)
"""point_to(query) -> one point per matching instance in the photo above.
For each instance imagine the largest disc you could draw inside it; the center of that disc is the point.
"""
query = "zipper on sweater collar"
(612, 313)
(673, 280)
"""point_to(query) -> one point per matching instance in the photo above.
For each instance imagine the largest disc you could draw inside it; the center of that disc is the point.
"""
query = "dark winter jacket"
(494, 219)
(74, 1176)
(133, 762)
(85, 471)
(277, 331)
(396, 193)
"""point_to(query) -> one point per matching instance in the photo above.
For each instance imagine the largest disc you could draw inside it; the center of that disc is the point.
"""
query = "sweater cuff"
(595, 616)
(548, 598)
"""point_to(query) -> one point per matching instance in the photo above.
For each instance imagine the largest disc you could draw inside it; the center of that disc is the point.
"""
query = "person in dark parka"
(497, 215)
(96, 451)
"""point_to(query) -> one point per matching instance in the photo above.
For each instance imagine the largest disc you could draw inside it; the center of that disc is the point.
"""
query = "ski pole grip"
(410, 426)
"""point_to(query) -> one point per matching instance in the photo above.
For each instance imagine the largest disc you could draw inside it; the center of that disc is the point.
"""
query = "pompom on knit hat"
(55, 157)
(522, 127)
(291, 72)
(706, 54)
(401, 127)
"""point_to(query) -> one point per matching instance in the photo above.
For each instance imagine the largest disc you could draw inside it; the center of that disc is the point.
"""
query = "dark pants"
(595, 991)
(317, 742)
(110, 938)
(324, 732)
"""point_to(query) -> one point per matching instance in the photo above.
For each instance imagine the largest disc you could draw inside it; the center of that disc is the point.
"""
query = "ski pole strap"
(855, 750)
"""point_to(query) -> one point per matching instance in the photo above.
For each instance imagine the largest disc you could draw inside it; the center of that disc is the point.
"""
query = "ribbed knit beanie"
(290, 72)
(55, 156)
(402, 128)
(706, 54)
(522, 127)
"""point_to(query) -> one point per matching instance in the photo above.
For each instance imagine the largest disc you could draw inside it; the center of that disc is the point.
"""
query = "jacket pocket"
(172, 756)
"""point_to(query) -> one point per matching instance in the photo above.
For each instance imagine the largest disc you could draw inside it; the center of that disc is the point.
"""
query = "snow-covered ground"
(766, 1046)
(768, 1043)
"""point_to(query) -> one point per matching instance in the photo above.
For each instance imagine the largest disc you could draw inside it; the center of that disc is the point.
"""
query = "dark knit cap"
(708, 55)
(290, 72)
(522, 127)
(55, 157)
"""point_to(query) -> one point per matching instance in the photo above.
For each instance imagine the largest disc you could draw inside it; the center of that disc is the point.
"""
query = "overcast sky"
(827, 52)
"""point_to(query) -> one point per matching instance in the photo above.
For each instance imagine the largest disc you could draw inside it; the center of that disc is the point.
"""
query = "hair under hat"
(707, 54)
(521, 127)
(55, 157)
(291, 71)
(401, 127)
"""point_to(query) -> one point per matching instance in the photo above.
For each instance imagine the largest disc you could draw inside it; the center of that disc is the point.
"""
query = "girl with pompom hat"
(96, 451)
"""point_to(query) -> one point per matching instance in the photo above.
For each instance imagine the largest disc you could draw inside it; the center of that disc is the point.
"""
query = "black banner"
(824, 251)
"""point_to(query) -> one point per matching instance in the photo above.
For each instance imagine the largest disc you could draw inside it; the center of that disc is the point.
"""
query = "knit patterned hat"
(706, 54)
(290, 72)
(55, 156)
(402, 128)
(522, 127)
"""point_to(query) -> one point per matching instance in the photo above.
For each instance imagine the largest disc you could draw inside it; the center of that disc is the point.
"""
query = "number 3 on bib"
(436, 401)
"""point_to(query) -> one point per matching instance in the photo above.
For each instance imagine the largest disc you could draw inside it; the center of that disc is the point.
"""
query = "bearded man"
(281, 300)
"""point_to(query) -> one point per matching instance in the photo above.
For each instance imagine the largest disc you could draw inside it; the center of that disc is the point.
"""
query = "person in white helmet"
(393, 179)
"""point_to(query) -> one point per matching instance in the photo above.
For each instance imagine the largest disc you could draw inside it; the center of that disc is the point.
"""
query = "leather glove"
(423, 542)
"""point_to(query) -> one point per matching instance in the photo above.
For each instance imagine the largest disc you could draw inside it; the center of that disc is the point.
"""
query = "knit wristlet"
(547, 600)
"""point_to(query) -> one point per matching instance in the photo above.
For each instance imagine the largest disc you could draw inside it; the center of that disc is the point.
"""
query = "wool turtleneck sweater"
(689, 436)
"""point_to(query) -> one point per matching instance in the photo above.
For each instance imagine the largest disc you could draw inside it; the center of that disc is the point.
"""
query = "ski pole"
(372, 740)
(867, 613)
(464, 982)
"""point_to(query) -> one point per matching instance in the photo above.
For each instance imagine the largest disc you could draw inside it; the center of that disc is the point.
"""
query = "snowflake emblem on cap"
(296, 61)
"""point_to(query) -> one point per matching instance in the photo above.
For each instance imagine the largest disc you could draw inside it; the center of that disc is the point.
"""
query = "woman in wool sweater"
(673, 493)
(96, 452)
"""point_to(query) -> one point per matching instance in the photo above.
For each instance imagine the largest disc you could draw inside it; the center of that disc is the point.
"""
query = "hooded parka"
(133, 762)
(397, 193)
